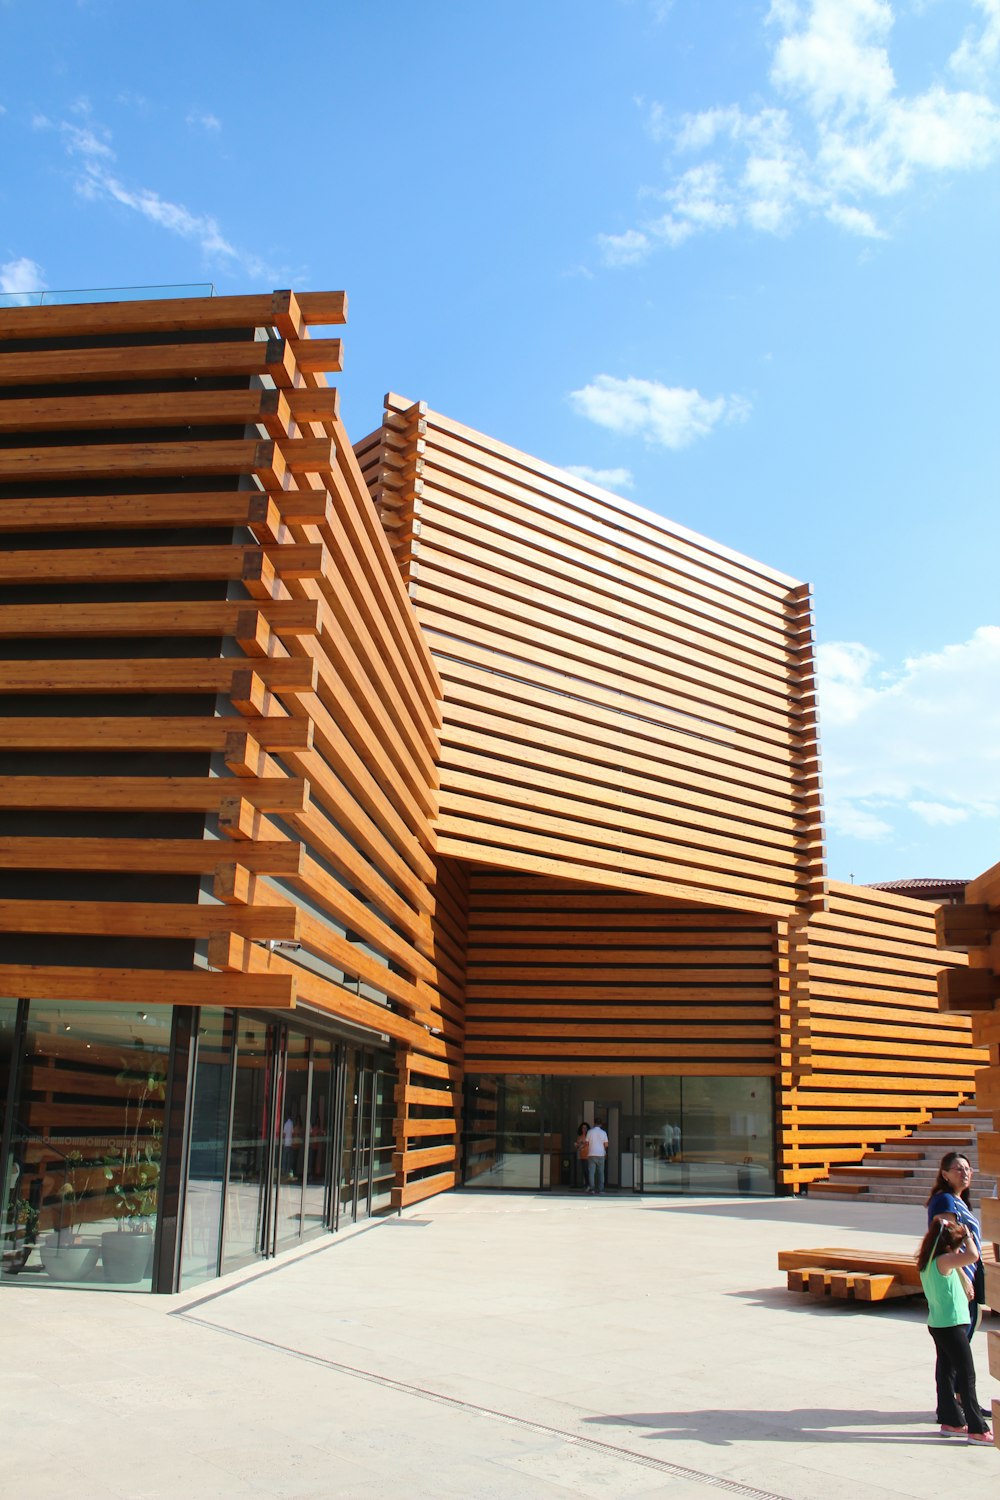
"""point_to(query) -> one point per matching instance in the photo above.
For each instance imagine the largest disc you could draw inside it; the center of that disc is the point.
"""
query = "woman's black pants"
(955, 1372)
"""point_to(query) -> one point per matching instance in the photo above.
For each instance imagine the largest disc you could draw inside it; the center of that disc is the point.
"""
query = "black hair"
(941, 1183)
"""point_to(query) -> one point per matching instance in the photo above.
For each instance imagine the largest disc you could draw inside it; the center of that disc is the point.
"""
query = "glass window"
(384, 1143)
(316, 1205)
(294, 1115)
(662, 1135)
(19, 1217)
(87, 1142)
(728, 1139)
(503, 1135)
(207, 1168)
(250, 1151)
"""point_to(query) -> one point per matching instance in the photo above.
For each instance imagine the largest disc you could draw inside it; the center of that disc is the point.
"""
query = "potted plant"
(65, 1254)
(127, 1251)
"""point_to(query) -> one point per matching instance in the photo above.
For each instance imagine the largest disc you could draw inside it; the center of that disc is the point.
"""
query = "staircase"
(903, 1170)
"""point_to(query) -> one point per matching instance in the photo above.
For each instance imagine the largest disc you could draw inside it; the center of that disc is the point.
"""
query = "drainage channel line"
(593, 1445)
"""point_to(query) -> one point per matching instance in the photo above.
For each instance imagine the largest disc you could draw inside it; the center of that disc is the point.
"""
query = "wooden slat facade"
(220, 715)
(865, 1051)
(572, 979)
(625, 702)
(529, 775)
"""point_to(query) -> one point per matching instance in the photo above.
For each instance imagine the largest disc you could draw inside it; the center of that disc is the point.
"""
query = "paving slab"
(495, 1347)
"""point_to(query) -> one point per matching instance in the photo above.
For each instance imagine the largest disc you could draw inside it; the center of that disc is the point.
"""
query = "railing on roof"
(105, 294)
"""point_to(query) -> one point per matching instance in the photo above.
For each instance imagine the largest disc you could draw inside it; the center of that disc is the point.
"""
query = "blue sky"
(738, 257)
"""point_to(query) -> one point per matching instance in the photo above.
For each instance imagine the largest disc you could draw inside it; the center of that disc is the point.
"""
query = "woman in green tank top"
(944, 1249)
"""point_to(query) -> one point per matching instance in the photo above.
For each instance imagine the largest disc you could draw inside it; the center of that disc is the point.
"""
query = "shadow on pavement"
(723, 1428)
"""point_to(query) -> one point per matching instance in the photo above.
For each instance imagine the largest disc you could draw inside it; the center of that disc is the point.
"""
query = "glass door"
(253, 1156)
(346, 1182)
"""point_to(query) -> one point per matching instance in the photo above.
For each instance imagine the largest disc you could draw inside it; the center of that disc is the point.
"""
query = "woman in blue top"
(950, 1197)
(946, 1251)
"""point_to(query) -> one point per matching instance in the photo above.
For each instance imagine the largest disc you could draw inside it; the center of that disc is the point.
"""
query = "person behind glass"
(950, 1198)
(580, 1147)
(597, 1153)
(946, 1250)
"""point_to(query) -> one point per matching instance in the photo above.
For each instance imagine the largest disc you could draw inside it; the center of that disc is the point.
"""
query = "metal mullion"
(233, 1066)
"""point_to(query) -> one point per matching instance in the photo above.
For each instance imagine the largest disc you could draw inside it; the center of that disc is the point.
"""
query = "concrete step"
(829, 1189)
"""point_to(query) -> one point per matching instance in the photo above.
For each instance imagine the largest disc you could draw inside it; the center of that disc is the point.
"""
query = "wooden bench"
(858, 1275)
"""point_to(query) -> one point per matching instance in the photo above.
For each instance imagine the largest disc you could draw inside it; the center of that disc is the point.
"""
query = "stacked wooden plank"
(625, 703)
(975, 927)
(866, 1051)
(570, 979)
(220, 716)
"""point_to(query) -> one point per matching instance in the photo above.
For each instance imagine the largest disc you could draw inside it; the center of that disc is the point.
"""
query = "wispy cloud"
(89, 144)
(921, 739)
(203, 120)
(609, 479)
(664, 416)
(20, 277)
(836, 139)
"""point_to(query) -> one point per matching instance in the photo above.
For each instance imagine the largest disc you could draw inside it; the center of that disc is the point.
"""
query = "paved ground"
(494, 1348)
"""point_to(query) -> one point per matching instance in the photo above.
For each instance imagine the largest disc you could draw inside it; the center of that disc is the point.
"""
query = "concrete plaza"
(495, 1347)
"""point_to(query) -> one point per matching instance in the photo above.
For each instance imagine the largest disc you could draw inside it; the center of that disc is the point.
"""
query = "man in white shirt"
(597, 1155)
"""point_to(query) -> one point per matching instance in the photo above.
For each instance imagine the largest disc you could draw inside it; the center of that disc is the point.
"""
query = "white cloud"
(20, 277)
(90, 144)
(609, 479)
(855, 221)
(937, 813)
(922, 739)
(203, 119)
(978, 53)
(836, 137)
(624, 249)
(852, 820)
(664, 416)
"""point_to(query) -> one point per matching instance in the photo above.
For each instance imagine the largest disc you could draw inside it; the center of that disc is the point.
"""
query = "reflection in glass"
(250, 1148)
(662, 1136)
(348, 1136)
(207, 1169)
(363, 1144)
(82, 1189)
(316, 1201)
(503, 1131)
(19, 1216)
(293, 1112)
(384, 1139)
(728, 1141)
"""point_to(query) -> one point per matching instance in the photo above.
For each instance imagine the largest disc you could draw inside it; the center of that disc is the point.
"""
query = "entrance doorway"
(704, 1135)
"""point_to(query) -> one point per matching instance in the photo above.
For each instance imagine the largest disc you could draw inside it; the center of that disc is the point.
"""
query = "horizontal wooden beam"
(185, 617)
(174, 315)
(963, 927)
(122, 410)
(155, 674)
(200, 509)
(150, 856)
(281, 795)
(152, 919)
(967, 990)
(148, 986)
(152, 362)
(170, 564)
(193, 735)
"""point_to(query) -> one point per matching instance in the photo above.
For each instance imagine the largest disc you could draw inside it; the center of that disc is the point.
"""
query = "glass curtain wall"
(669, 1135)
(84, 1127)
(206, 1184)
(291, 1134)
(503, 1131)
